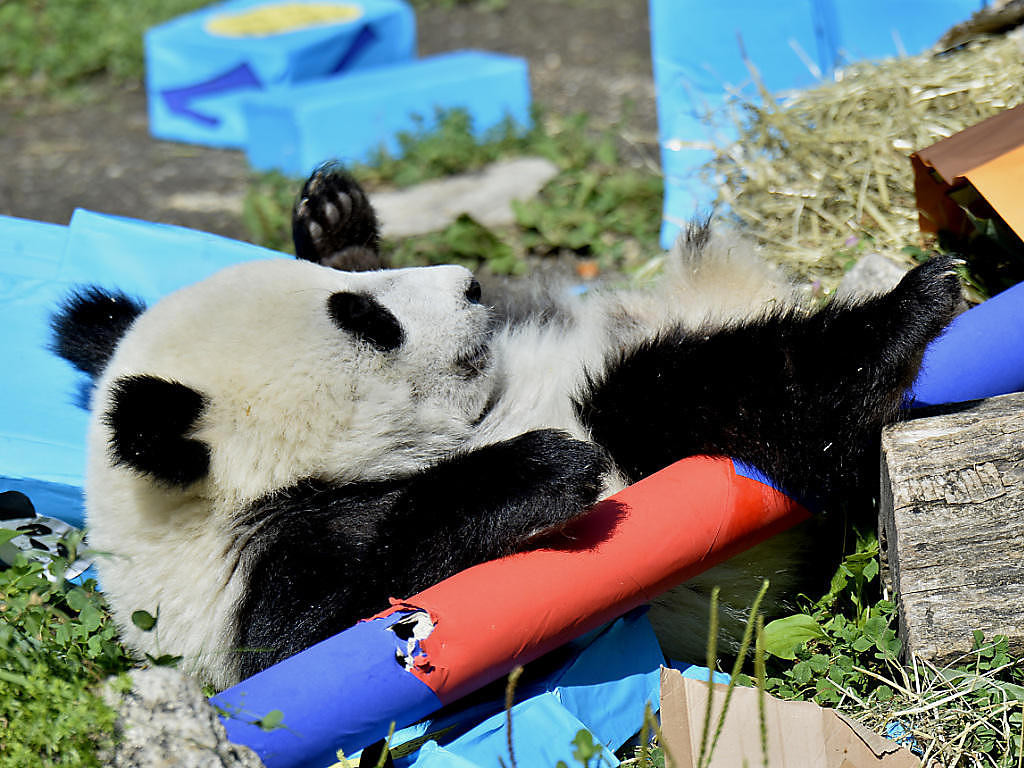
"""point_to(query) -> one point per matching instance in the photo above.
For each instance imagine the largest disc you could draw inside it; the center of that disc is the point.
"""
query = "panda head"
(275, 371)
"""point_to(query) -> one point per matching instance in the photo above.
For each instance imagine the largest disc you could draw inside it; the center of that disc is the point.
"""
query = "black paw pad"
(334, 224)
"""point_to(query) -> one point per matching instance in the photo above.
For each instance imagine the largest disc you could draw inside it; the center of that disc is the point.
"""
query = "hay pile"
(819, 175)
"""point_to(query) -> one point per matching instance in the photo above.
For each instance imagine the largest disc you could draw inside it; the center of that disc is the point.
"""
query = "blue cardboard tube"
(981, 354)
(342, 693)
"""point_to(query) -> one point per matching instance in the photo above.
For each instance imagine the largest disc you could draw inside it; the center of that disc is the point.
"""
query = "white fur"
(290, 396)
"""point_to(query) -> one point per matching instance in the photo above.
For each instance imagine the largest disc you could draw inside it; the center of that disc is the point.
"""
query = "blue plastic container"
(200, 67)
(296, 129)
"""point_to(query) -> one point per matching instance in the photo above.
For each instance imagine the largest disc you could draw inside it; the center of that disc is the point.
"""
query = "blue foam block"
(697, 58)
(42, 415)
(197, 77)
(348, 118)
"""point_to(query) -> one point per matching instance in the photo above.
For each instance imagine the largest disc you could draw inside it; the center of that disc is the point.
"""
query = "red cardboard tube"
(629, 548)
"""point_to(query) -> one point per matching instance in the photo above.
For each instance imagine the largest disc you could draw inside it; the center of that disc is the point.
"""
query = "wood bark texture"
(951, 519)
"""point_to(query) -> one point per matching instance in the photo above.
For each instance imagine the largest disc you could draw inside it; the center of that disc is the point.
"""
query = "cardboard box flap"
(1000, 182)
(954, 156)
(984, 163)
(798, 733)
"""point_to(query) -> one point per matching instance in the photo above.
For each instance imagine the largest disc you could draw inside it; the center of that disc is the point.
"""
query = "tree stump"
(951, 520)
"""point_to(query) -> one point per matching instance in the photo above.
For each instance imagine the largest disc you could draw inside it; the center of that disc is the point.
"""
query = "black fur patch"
(325, 556)
(366, 318)
(150, 419)
(801, 397)
(89, 324)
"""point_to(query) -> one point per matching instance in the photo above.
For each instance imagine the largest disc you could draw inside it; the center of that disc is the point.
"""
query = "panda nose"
(473, 292)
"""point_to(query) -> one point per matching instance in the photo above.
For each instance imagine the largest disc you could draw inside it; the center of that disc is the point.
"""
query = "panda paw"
(929, 297)
(560, 477)
(333, 223)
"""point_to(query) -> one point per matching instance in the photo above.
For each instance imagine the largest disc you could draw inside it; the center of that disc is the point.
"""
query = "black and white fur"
(278, 449)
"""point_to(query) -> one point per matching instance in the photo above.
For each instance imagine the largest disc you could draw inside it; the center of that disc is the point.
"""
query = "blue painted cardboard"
(197, 79)
(43, 419)
(294, 130)
(696, 53)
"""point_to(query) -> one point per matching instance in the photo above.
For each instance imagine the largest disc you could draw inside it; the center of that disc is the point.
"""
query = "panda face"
(274, 371)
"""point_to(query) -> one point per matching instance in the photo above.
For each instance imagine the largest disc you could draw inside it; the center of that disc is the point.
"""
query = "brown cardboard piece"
(988, 156)
(800, 734)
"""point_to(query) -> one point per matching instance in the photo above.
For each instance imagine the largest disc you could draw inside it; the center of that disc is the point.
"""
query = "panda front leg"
(801, 396)
(329, 555)
(333, 223)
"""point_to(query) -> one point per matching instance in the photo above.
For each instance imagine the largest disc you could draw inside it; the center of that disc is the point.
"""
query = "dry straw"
(818, 171)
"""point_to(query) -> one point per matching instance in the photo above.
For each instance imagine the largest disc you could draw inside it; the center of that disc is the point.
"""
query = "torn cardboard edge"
(798, 733)
(989, 157)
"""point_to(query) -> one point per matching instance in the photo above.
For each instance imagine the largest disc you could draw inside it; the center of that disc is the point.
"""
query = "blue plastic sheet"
(542, 734)
(42, 416)
(696, 53)
(197, 79)
(294, 130)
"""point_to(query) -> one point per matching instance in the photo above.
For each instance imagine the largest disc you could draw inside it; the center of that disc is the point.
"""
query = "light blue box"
(695, 47)
(197, 77)
(43, 416)
(348, 118)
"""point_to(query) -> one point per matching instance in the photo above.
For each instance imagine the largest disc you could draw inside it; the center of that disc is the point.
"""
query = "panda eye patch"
(366, 318)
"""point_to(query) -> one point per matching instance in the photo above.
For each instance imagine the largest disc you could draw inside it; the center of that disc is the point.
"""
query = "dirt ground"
(584, 55)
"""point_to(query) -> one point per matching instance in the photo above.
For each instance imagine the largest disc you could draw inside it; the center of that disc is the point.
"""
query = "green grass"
(595, 208)
(51, 46)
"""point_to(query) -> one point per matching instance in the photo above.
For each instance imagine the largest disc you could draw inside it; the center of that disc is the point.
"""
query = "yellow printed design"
(278, 18)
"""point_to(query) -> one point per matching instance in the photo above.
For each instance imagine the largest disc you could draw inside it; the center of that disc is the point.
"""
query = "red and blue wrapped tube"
(344, 693)
(981, 354)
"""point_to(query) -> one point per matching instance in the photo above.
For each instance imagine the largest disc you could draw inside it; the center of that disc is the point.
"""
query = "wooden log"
(951, 521)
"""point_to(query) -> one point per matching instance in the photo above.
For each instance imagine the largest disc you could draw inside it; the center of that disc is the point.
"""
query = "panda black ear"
(89, 324)
(150, 420)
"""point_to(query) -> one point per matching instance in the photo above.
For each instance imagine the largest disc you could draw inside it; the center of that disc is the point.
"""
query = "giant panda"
(278, 449)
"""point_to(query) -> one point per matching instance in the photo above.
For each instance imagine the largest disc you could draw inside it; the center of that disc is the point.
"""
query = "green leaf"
(163, 660)
(272, 721)
(862, 643)
(871, 569)
(819, 663)
(77, 599)
(144, 620)
(802, 672)
(784, 637)
(585, 746)
(90, 618)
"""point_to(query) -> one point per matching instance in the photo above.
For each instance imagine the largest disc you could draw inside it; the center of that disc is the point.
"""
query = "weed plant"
(57, 643)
